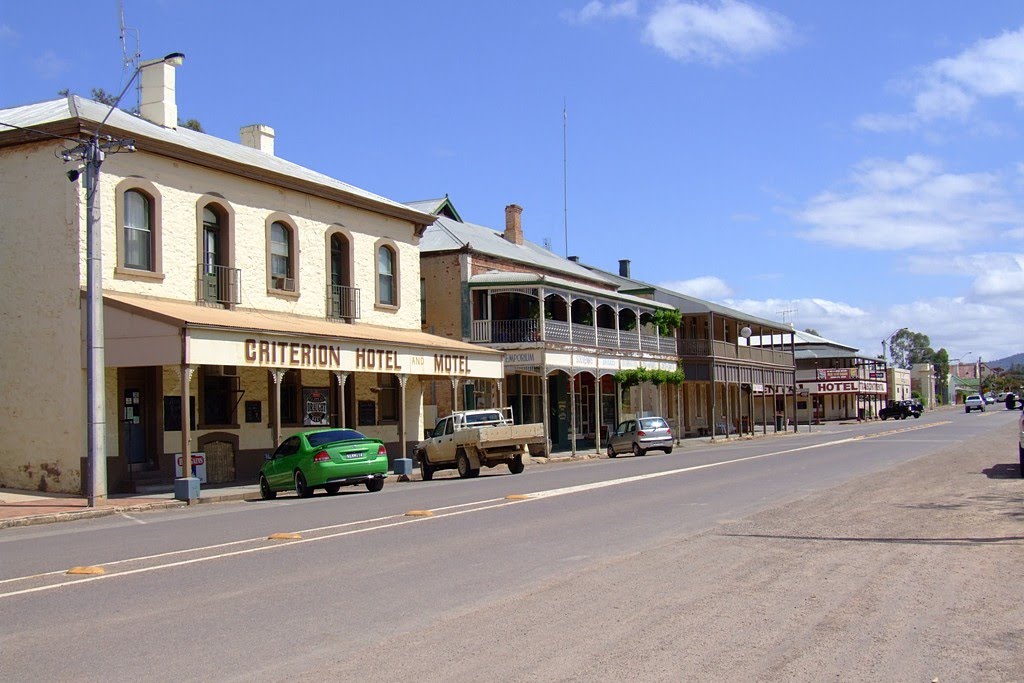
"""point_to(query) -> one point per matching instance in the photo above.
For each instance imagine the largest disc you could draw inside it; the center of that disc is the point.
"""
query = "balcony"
(722, 349)
(342, 302)
(219, 285)
(561, 332)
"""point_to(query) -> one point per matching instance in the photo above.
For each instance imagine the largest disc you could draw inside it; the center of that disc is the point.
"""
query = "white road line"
(453, 510)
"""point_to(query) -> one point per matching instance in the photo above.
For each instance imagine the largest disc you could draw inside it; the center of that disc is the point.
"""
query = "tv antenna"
(130, 62)
(787, 313)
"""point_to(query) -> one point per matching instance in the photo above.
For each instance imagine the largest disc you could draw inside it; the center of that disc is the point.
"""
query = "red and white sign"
(198, 466)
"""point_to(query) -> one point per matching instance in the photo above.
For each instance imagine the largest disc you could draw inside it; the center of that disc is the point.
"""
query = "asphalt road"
(857, 552)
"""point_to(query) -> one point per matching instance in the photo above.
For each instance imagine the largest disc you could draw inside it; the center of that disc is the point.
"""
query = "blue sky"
(857, 164)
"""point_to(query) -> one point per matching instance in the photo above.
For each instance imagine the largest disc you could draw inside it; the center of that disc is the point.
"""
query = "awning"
(153, 332)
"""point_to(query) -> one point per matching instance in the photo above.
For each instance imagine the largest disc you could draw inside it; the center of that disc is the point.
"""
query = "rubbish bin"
(778, 423)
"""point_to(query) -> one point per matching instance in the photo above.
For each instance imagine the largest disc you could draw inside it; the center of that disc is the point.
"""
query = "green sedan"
(327, 459)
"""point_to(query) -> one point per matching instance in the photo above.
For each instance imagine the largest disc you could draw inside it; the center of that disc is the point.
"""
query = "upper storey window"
(282, 261)
(138, 231)
(386, 277)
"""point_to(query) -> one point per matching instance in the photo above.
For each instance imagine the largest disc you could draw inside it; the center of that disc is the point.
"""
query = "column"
(341, 378)
(276, 376)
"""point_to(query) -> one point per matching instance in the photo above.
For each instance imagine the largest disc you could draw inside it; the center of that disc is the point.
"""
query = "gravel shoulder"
(913, 574)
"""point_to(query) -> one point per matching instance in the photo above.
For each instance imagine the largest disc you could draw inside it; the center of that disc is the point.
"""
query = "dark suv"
(901, 410)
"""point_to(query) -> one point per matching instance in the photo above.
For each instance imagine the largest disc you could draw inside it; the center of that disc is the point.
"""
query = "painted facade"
(565, 331)
(286, 299)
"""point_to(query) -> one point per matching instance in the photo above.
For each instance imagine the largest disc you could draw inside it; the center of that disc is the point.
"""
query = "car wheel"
(967, 410)
(668, 451)
(611, 452)
(332, 489)
(301, 489)
(1020, 454)
(375, 484)
(637, 451)
(265, 491)
(463, 466)
(884, 418)
(515, 465)
(426, 471)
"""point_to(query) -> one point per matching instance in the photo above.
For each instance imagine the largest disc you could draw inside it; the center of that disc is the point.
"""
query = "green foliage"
(811, 330)
(667, 319)
(192, 124)
(633, 377)
(907, 347)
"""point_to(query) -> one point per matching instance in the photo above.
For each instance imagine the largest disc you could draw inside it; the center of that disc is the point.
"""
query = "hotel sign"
(214, 347)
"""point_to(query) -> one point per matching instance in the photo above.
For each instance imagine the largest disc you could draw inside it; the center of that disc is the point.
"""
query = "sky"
(852, 168)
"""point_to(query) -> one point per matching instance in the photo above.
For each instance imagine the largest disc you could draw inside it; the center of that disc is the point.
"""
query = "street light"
(895, 332)
(91, 152)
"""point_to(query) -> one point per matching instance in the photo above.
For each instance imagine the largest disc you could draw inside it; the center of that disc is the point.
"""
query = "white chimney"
(258, 137)
(157, 93)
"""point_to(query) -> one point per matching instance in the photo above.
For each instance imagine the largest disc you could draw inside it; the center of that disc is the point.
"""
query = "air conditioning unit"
(286, 284)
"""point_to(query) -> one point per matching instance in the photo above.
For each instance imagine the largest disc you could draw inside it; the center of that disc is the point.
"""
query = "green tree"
(941, 363)
(811, 330)
(907, 347)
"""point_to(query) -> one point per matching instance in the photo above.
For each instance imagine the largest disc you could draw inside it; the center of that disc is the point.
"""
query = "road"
(883, 551)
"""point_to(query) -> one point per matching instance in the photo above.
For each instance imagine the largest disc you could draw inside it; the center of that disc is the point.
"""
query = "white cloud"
(950, 88)
(716, 33)
(49, 66)
(708, 287)
(954, 323)
(596, 10)
(913, 203)
(8, 36)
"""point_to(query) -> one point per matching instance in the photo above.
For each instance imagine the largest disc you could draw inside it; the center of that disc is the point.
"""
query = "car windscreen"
(653, 423)
(320, 438)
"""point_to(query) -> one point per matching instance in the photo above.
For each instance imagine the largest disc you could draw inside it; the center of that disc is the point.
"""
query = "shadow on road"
(1003, 471)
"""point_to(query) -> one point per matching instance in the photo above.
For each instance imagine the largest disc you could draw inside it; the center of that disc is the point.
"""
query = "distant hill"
(1005, 363)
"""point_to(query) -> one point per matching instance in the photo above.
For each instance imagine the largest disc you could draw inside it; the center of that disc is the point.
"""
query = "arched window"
(281, 265)
(138, 231)
(386, 277)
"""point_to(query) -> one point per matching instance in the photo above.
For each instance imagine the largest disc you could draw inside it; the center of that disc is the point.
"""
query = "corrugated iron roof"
(448, 235)
(75, 107)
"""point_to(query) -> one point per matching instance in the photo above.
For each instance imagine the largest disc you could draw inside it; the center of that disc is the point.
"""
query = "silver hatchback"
(640, 436)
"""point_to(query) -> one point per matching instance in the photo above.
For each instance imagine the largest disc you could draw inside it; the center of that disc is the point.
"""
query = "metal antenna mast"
(130, 61)
(565, 175)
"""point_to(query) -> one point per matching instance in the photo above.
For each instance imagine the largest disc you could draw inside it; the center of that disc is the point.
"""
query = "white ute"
(470, 439)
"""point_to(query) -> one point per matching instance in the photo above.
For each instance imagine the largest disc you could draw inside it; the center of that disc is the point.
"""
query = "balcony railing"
(724, 349)
(561, 332)
(219, 284)
(342, 302)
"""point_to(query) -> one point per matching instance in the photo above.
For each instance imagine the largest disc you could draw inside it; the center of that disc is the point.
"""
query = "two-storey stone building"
(565, 330)
(244, 297)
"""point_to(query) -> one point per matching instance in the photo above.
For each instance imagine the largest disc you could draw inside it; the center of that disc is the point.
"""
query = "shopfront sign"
(515, 358)
(834, 374)
(219, 348)
(847, 387)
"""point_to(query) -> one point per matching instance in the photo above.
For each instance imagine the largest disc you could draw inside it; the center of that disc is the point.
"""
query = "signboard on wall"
(315, 411)
(198, 466)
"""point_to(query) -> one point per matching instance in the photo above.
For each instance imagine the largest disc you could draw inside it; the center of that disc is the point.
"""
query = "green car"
(324, 459)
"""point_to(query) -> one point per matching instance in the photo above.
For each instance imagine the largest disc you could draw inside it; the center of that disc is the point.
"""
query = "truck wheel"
(462, 464)
(884, 418)
(515, 465)
(426, 471)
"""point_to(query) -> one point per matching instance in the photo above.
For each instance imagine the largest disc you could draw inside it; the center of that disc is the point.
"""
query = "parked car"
(989, 399)
(974, 402)
(640, 436)
(324, 458)
(1001, 396)
(901, 410)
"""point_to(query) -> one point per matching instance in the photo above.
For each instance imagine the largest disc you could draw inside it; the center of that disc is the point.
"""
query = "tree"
(941, 363)
(811, 330)
(907, 347)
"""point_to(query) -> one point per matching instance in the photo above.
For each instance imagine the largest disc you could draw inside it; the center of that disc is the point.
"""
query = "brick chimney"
(258, 137)
(513, 224)
(157, 101)
(623, 267)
